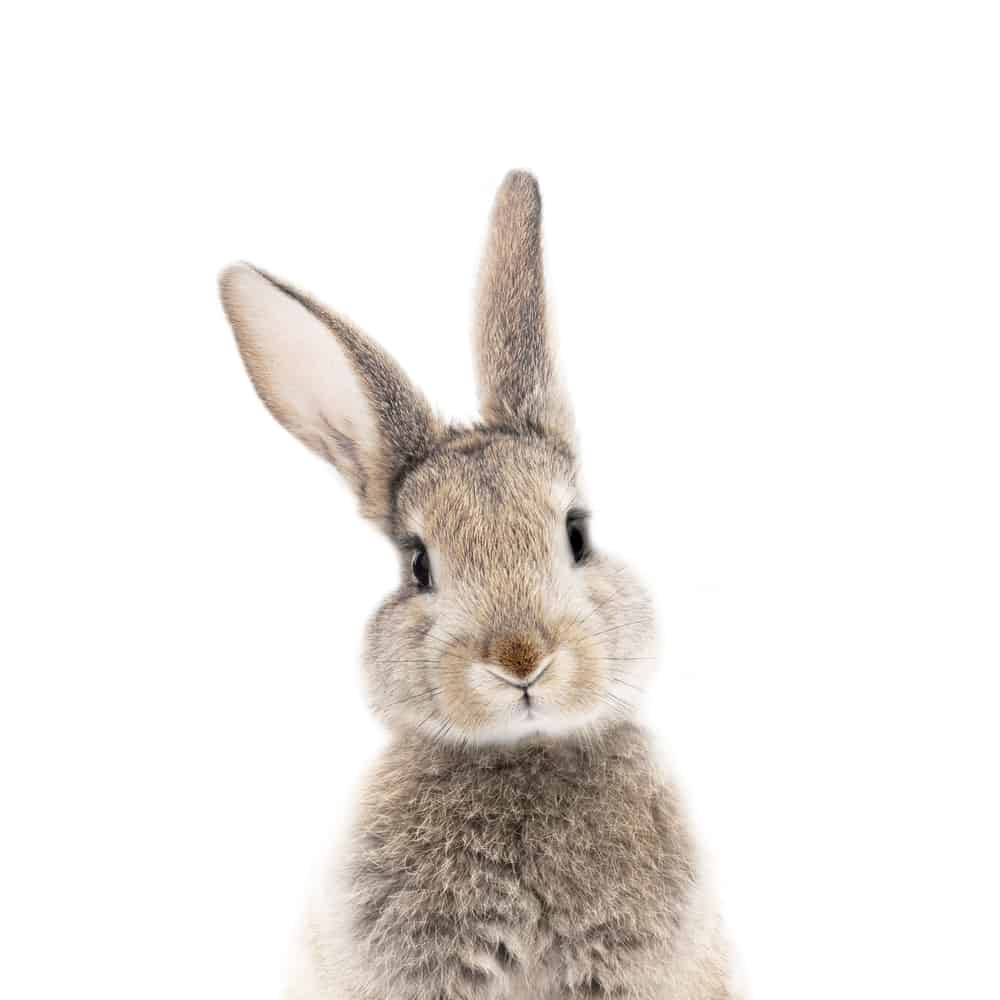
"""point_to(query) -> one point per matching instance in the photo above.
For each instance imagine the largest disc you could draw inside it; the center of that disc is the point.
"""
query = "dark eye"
(576, 531)
(421, 566)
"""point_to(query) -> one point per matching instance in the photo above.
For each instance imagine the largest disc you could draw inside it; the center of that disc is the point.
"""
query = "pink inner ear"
(301, 371)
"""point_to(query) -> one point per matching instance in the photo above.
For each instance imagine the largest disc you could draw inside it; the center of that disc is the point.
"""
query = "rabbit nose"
(519, 659)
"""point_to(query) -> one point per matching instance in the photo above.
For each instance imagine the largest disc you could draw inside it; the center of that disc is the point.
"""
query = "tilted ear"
(519, 384)
(329, 385)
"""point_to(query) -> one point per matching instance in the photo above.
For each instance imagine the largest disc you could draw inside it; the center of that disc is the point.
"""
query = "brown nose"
(517, 654)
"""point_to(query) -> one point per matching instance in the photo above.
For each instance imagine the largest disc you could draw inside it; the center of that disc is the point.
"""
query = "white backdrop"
(772, 239)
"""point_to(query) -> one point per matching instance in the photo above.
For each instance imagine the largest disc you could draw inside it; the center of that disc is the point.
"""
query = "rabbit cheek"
(465, 707)
(572, 693)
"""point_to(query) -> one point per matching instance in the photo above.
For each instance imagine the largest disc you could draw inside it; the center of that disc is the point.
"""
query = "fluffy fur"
(517, 838)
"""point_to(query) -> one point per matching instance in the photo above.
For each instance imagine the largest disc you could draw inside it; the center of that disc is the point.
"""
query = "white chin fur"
(538, 725)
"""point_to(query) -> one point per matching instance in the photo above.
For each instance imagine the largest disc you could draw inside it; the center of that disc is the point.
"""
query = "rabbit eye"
(420, 564)
(576, 532)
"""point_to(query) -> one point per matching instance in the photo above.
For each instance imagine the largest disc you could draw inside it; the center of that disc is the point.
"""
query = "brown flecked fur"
(517, 839)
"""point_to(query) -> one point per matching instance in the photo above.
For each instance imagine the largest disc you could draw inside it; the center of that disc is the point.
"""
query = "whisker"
(438, 638)
(441, 732)
(613, 701)
(442, 644)
(420, 696)
(617, 709)
(616, 628)
(632, 659)
(567, 629)
(618, 679)
(451, 635)
(423, 722)
(390, 663)
(604, 603)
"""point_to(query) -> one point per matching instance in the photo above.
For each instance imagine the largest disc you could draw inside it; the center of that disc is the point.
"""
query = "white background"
(773, 238)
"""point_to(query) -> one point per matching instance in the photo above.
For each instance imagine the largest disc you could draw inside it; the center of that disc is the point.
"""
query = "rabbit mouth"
(528, 716)
(527, 683)
(526, 707)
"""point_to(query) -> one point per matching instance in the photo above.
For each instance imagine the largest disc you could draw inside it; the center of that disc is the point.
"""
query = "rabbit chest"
(512, 855)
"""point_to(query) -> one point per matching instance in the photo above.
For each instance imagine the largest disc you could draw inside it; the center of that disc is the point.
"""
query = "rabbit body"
(563, 869)
(517, 838)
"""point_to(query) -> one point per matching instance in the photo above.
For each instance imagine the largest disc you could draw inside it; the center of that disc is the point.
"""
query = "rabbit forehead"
(482, 487)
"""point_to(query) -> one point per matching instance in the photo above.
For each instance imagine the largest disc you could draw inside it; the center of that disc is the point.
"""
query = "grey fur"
(518, 380)
(517, 839)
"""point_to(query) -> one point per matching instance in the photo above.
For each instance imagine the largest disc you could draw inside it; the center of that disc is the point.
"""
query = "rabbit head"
(507, 623)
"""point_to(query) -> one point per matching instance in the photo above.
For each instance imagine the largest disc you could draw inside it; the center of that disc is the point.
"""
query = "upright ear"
(519, 383)
(329, 385)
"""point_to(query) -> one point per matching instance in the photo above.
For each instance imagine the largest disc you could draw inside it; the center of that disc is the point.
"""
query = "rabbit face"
(508, 623)
(520, 630)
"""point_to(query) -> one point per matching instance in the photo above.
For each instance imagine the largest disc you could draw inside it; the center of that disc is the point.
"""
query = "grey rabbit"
(517, 838)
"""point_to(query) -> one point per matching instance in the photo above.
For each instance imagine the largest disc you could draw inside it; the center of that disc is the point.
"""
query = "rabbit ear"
(329, 385)
(518, 381)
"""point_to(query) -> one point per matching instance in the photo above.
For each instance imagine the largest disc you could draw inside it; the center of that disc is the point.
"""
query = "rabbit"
(517, 837)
